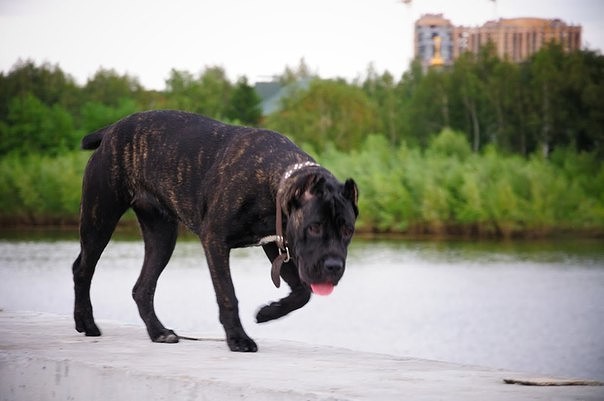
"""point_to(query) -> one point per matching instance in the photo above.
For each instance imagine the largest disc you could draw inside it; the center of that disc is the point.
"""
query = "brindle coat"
(220, 181)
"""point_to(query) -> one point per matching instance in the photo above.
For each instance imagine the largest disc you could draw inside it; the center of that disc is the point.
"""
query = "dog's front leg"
(297, 298)
(218, 262)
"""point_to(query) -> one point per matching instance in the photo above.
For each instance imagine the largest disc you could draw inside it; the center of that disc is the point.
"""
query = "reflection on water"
(529, 306)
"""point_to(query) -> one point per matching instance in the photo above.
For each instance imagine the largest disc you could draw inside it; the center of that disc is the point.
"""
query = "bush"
(449, 189)
(402, 190)
(38, 189)
(450, 143)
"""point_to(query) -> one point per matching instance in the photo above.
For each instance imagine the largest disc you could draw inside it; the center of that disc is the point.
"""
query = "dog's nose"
(333, 265)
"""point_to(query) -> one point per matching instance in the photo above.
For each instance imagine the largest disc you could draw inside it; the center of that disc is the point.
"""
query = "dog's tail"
(93, 141)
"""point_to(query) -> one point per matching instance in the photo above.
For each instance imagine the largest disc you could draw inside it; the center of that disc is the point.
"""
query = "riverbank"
(42, 355)
(128, 227)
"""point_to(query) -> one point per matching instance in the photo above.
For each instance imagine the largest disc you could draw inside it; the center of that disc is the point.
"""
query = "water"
(535, 307)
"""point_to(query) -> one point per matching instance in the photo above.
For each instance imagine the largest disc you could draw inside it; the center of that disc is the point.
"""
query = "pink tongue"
(322, 288)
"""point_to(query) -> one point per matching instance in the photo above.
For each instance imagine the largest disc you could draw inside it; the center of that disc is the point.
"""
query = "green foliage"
(244, 105)
(95, 115)
(329, 111)
(32, 126)
(45, 82)
(550, 101)
(409, 191)
(381, 89)
(485, 147)
(207, 94)
(109, 88)
(402, 189)
(41, 189)
(450, 143)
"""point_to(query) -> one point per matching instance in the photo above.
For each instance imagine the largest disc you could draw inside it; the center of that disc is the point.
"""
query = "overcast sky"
(255, 38)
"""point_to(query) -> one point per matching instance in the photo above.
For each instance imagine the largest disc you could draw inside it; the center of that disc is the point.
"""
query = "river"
(531, 306)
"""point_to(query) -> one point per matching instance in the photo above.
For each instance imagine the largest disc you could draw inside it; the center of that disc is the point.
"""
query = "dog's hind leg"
(159, 233)
(99, 215)
(297, 298)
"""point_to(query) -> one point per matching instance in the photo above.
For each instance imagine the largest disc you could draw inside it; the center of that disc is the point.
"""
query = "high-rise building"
(438, 42)
(434, 42)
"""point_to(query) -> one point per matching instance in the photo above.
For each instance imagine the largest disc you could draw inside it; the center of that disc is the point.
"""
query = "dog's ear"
(351, 192)
(304, 189)
(315, 186)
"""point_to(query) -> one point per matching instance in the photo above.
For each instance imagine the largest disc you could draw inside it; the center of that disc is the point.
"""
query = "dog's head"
(321, 216)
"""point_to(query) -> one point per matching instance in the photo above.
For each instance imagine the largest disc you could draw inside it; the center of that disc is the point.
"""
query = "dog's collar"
(294, 168)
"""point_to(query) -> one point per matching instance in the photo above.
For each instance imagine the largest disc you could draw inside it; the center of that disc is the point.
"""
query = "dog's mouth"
(322, 288)
(321, 278)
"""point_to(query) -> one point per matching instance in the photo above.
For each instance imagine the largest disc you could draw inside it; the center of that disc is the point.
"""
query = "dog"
(233, 187)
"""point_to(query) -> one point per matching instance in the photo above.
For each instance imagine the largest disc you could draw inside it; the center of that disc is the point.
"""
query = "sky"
(252, 38)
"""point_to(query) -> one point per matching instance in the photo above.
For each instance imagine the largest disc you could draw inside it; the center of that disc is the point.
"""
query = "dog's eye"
(315, 230)
(346, 231)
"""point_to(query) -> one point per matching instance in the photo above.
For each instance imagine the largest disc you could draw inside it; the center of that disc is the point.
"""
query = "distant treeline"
(484, 147)
(553, 100)
(43, 110)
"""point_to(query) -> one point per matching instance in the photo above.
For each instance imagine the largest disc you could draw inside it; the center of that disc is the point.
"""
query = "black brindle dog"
(233, 187)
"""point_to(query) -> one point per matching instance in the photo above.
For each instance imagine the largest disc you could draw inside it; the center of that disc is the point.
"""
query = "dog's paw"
(269, 312)
(87, 327)
(242, 344)
(168, 337)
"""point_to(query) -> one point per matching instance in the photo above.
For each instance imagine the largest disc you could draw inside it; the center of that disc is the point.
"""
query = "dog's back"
(143, 140)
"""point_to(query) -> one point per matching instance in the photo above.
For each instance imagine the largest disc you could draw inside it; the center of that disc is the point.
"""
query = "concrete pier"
(43, 358)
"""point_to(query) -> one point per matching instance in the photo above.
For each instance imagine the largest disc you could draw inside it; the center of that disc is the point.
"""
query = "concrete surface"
(43, 358)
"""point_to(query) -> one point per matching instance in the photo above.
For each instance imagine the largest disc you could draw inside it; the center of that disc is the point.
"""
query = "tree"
(109, 88)
(208, 94)
(96, 115)
(469, 91)
(512, 108)
(381, 90)
(215, 92)
(48, 83)
(583, 107)
(330, 111)
(301, 72)
(404, 92)
(33, 127)
(245, 104)
(546, 70)
(429, 109)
